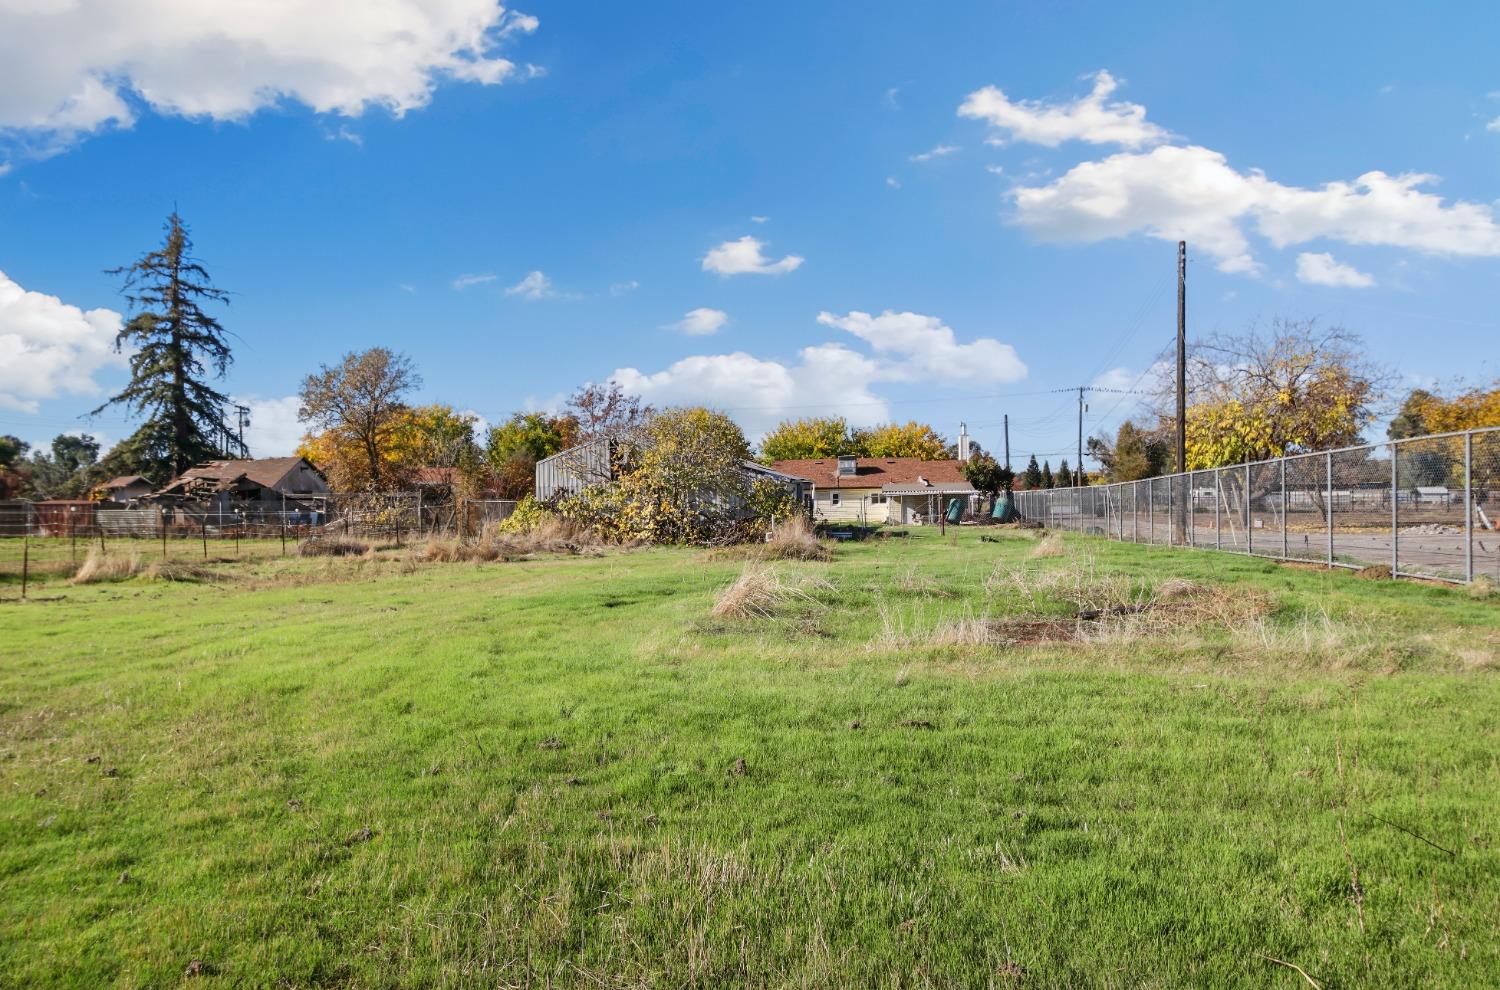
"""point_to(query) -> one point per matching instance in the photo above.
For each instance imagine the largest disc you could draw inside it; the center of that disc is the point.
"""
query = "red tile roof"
(872, 472)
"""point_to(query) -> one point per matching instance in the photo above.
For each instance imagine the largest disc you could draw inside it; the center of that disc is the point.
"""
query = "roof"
(937, 488)
(264, 471)
(124, 481)
(874, 472)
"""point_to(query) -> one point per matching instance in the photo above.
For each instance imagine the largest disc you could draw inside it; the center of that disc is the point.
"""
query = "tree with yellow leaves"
(910, 439)
(1260, 395)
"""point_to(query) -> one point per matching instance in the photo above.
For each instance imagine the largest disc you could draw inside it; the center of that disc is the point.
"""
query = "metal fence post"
(1283, 509)
(1469, 507)
(1395, 498)
(1171, 513)
(1328, 509)
(1218, 497)
(1249, 520)
(1150, 512)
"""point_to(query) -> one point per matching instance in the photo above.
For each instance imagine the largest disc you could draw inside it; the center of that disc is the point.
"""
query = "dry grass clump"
(549, 536)
(794, 539)
(761, 591)
(99, 567)
(1050, 545)
(332, 546)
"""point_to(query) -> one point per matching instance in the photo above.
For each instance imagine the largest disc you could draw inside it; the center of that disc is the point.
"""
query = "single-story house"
(872, 490)
(266, 480)
(124, 489)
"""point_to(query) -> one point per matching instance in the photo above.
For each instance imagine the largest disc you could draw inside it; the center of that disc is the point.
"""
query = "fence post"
(25, 553)
(1395, 497)
(1328, 511)
(1249, 517)
(1150, 512)
(1218, 496)
(161, 524)
(1171, 513)
(203, 532)
(1469, 507)
(283, 524)
(1283, 509)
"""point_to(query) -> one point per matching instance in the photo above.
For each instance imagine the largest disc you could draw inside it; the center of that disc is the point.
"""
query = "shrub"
(332, 546)
(793, 539)
(528, 515)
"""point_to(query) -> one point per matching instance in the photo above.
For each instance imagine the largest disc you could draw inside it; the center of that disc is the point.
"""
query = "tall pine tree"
(1031, 479)
(178, 349)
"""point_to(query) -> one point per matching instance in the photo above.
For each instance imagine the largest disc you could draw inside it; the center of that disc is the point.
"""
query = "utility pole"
(1081, 409)
(1182, 355)
(242, 417)
(1007, 441)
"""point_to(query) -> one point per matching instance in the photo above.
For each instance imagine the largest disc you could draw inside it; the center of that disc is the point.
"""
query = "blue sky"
(984, 198)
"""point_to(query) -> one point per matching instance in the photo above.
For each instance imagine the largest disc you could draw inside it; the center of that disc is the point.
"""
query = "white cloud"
(924, 349)
(467, 281)
(1192, 193)
(1322, 269)
(745, 257)
(759, 219)
(830, 378)
(893, 182)
(48, 348)
(624, 288)
(701, 321)
(1092, 118)
(71, 68)
(941, 151)
(533, 287)
(274, 430)
(759, 393)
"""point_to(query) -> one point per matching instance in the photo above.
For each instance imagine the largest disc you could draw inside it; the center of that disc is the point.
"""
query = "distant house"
(872, 490)
(264, 480)
(125, 488)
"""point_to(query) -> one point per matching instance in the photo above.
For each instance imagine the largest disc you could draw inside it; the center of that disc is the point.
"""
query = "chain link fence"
(1426, 507)
(50, 538)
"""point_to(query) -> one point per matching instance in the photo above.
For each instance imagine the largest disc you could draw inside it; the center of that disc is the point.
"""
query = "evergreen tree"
(178, 348)
(1032, 476)
(1064, 476)
(1047, 480)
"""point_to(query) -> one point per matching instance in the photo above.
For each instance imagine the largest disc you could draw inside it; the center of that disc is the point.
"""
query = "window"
(877, 499)
(833, 499)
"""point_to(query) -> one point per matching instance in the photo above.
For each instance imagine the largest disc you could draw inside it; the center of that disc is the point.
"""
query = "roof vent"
(848, 464)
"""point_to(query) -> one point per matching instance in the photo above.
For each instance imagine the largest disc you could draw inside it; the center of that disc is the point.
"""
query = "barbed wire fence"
(51, 538)
(1423, 507)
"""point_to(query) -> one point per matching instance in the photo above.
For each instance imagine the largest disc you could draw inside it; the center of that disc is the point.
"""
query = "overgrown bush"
(529, 514)
(684, 482)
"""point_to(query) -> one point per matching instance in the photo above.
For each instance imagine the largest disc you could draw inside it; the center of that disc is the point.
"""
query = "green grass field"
(566, 772)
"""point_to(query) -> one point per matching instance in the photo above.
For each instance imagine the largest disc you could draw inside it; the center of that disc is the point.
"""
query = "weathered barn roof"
(266, 472)
(874, 472)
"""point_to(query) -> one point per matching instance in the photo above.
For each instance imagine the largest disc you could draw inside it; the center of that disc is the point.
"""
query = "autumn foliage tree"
(513, 448)
(1259, 395)
(813, 436)
(357, 409)
(830, 436)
